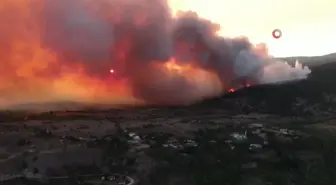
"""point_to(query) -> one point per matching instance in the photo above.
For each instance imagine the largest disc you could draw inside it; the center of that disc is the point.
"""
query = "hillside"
(319, 89)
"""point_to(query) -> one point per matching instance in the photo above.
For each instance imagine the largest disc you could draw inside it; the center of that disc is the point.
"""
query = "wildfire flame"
(173, 66)
(231, 90)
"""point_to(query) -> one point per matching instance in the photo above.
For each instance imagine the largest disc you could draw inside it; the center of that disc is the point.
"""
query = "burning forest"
(122, 52)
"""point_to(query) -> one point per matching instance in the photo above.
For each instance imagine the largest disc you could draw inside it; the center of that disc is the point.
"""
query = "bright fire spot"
(111, 71)
(231, 90)
(173, 66)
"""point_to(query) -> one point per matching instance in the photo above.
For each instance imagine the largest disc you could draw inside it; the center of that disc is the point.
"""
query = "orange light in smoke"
(173, 66)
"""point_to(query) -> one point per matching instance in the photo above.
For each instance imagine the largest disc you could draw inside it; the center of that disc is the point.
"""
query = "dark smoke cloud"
(132, 35)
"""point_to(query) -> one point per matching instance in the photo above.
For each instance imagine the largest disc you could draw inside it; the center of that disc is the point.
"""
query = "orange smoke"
(32, 72)
(28, 68)
(119, 52)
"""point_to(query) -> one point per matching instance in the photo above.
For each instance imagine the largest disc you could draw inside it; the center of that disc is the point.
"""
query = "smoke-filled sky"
(122, 51)
(308, 26)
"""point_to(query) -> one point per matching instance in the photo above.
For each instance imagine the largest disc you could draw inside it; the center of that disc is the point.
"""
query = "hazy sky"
(308, 26)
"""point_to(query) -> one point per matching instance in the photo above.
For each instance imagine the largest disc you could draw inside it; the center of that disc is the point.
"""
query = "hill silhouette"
(312, 60)
(319, 88)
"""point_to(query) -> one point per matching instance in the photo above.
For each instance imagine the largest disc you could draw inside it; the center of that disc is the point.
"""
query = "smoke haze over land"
(124, 51)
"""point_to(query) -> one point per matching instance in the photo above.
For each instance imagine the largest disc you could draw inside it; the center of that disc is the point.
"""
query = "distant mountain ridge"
(312, 60)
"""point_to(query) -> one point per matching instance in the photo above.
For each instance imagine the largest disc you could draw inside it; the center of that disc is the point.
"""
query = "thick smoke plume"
(121, 51)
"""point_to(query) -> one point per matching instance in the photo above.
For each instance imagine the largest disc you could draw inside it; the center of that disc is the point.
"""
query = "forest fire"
(67, 50)
(231, 90)
(173, 66)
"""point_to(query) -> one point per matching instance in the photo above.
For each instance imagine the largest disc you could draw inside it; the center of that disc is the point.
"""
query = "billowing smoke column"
(164, 59)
